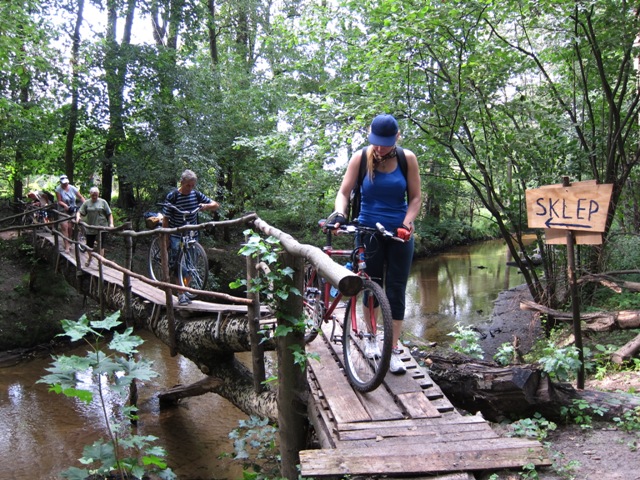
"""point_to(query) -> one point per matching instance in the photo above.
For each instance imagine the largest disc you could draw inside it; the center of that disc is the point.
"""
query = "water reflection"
(458, 286)
(49, 431)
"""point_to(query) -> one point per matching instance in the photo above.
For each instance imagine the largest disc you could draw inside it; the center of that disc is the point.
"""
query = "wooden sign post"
(580, 210)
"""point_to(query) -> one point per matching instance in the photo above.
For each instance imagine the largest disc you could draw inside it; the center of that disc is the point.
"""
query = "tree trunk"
(595, 322)
(499, 393)
(69, 163)
(116, 60)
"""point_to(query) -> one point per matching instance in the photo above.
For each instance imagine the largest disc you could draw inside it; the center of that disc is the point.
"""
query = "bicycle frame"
(190, 261)
(358, 265)
(366, 347)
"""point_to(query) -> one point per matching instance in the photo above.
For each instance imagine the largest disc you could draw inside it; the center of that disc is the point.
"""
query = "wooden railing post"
(292, 379)
(75, 243)
(100, 275)
(126, 278)
(253, 315)
(164, 259)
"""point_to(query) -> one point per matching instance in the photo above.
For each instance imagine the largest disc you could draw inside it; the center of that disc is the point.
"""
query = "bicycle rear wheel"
(367, 319)
(193, 270)
(155, 259)
(312, 304)
(28, 218)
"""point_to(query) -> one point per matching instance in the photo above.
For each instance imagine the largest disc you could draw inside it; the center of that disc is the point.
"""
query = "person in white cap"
(392, 197)
(67, 196)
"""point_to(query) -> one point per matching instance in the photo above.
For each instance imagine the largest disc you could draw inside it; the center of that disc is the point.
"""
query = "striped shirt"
(186, 203)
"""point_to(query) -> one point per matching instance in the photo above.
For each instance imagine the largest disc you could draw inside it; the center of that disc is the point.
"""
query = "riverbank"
(591, 451)
(33, 300)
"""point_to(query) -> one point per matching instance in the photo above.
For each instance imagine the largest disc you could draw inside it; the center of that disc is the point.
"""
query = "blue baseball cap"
(384, 130)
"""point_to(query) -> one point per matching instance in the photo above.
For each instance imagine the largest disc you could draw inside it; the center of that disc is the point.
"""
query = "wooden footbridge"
(406, 428)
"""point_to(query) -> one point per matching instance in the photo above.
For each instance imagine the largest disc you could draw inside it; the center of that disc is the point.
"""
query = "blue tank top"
(384, 200)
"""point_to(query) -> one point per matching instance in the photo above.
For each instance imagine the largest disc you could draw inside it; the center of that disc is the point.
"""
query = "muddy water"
(43, 433)
(458, 286)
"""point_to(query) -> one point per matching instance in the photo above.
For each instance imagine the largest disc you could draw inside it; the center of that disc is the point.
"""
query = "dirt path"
(602, 452)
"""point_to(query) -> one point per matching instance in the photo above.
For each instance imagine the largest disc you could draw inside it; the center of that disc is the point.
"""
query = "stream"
(44, 433)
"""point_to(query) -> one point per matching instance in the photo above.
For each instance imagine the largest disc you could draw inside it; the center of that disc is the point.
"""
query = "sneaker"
(183, 300)
(371, 348)
(396, 366)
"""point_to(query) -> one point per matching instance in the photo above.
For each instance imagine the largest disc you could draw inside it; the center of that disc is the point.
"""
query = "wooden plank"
(559, 237)
(319, 419)
(444, 432)
(344, 403)
(488, 454)
(379, 404)
(417, 405)
(445, 476)
(448, 419)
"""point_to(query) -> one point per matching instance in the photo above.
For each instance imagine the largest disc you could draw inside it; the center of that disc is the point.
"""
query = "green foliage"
(622, 252)
(274, 286)
(560, 364)
(254, 444)
(112, 368)
(529, 472)
(581, 413)
(505, 354)
(537, 427)
(466, 341)
(629, 421)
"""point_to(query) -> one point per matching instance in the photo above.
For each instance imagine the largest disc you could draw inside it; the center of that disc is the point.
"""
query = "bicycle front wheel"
(28, 218)
(193, 270)
(155, 259)
(367, 337)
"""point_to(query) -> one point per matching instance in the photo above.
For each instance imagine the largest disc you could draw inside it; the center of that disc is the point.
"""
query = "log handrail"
(339, 276)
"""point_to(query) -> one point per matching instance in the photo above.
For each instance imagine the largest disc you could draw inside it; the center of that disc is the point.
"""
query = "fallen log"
(595, 321)
(627, 351)
(501, 393)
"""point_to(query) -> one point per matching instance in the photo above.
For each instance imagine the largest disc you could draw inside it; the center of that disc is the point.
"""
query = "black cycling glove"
(336, 217)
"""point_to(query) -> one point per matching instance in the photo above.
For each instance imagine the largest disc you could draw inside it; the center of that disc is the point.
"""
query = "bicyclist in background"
(389, 197)
(67, 196)
(187, 199)
(40, 199)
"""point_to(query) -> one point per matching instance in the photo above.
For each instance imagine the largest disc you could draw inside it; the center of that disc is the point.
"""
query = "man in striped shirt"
(187, 199)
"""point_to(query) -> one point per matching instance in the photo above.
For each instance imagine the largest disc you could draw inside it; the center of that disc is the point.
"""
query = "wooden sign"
(581, 206)
(581, 237)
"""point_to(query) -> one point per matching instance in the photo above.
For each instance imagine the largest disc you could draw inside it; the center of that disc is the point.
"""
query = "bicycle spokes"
(367, 337)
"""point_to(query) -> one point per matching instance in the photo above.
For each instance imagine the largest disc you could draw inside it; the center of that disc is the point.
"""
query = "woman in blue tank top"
(394, 201)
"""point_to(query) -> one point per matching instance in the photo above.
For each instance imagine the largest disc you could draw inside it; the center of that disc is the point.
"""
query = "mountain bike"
(190, 265)
(366, 331)
(32, 213)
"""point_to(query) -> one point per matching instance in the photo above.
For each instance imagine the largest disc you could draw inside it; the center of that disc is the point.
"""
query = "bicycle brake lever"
(387, 233)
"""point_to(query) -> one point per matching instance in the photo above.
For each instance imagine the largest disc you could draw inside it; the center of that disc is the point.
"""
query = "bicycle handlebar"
(181, 212)
(354, 228)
